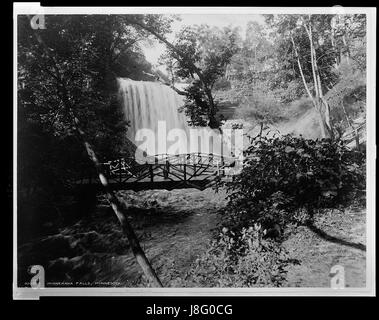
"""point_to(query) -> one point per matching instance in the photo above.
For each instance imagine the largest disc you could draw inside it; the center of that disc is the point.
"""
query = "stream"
(174, 228)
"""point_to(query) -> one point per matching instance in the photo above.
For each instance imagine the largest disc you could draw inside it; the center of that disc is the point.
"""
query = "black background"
(135, 307)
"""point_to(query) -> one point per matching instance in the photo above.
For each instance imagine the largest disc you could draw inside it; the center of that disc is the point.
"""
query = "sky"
(153, 52)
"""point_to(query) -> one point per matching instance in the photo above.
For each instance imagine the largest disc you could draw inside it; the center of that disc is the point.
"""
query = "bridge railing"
(181, 167)
(198, 170)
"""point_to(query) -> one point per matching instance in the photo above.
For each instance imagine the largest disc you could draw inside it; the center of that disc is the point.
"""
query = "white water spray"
(157, 126)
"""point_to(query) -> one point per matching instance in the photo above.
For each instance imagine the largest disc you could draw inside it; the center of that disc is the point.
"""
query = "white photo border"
(22, 8)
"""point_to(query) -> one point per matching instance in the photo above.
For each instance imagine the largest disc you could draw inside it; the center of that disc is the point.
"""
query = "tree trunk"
(319, 101)
(119, 210)
(322, 122)
(315, 102)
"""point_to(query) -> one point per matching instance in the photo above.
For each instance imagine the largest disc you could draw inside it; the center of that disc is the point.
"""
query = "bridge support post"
(185, 172)
(151, 172)
(222, 166)
(166, 170)
(194, 164)
(120, 170)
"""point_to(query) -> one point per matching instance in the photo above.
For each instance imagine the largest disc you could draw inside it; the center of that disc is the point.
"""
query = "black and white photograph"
(189, 151)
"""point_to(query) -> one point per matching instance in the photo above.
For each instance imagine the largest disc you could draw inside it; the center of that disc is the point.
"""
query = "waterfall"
(157, 126)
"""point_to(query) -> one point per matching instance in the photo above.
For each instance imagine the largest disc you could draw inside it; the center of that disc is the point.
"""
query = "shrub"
(241, 259)
(282, 175)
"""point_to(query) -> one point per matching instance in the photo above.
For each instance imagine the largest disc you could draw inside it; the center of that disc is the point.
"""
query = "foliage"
(297, 108)
(253, 62)
(241, 259)
(314, 48)
(205, 53)
(75, 61)
(288, 91)
(347, 98)
(285, 26)
(222, 84)
(196, 105)
(282, 175)
(260, 107)
(267, 58)
(84, 56)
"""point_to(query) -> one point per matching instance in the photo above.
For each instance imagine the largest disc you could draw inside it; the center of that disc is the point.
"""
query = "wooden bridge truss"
(191, 170)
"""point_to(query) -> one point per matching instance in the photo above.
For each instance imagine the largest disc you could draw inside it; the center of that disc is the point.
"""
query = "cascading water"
(146, 103)
(152, 110)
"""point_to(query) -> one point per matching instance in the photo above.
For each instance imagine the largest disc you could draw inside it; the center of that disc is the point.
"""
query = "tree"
(348, 36)
(299, 31)
(68, 72)
(195, 61)
(311, 48)
(251, 72)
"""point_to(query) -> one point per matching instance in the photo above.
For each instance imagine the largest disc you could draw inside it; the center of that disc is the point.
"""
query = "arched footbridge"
(163, 171)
